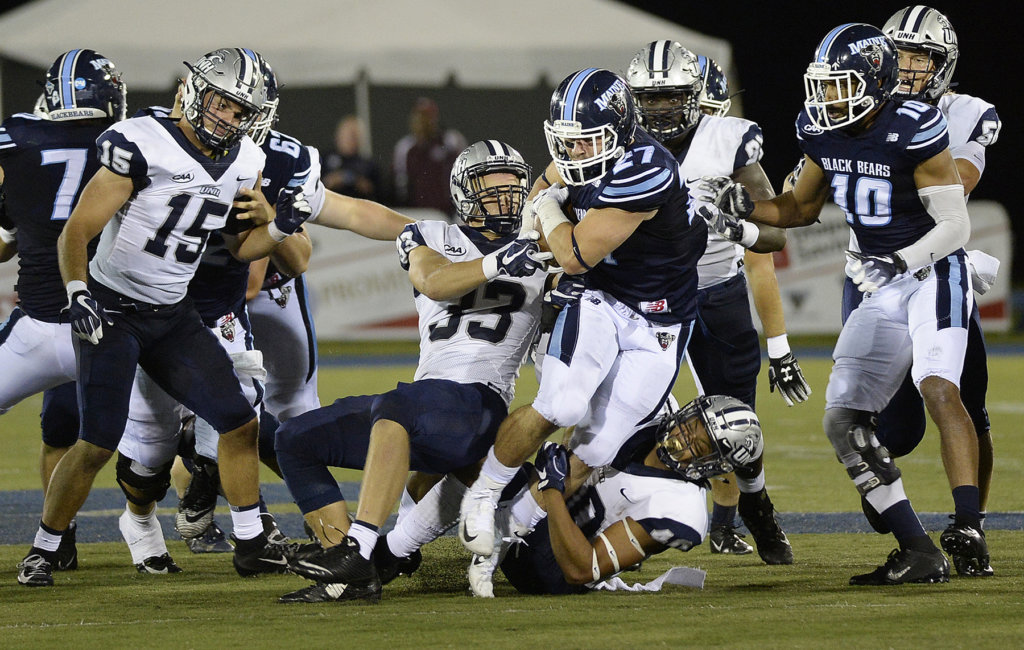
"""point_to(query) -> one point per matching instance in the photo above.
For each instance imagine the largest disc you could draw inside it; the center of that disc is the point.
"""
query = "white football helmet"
(229, 73)
(469, 194)
(923, 30)
(666, 70)
(711, 435)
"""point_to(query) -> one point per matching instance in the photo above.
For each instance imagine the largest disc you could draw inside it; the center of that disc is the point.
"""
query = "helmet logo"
(858, 46)
(612, 98)
(873, 55)
(79, 83)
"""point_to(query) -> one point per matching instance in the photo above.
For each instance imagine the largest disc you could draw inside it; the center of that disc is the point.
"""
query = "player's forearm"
(292, 255)
(945, 204)
(560, 242)
(445, 280)
(783, 211)
(367, 218)
(765, 288)
(73, 254)
(572, 550)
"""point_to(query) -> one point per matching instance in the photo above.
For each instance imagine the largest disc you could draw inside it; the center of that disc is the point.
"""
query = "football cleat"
(325, 592)
(481, 575)
(907, 566)
(274, 534)
(758, 515)
(967, 547)
(476, 522)
(35, 571)
(269, 558)
(195, 510)
(158, 564)
(390, 566)
(212, 540)
(337, 564)
(66, 558)
(726, 541)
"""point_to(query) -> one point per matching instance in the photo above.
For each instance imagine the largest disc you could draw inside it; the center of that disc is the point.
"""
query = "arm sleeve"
(945, 204)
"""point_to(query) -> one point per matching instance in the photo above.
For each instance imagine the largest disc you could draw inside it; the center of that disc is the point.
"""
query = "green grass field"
(743, 604)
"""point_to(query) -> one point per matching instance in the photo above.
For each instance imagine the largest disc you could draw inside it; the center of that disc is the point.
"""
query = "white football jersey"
(973, 125)
(667, 508)
(150, 249)
(718, 147)
(484, 336)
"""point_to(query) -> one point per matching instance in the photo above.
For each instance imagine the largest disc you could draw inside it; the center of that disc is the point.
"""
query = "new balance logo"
(892, 137)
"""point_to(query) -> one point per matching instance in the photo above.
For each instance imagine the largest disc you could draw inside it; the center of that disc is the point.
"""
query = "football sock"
(966, 499)
(47, 539)
(723, 515)
(245, 521)
(749, 486)
(494, 475)
(405, 505)
(526, 510)
(429, 519)
(143, 534)
(366, 534)
(906, 527)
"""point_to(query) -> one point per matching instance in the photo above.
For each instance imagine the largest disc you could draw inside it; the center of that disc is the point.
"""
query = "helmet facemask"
(599, 145)
(930, 77)
(224, 81)
(483, 201)
(667, 83)
(710, 436)
(850, 101)
(670, 119)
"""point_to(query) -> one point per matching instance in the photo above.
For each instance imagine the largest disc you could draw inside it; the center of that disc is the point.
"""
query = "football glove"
(292, 210)
(727, 195)
(729, 227)
(872, 272)
(552, 466)
(784, 374)
(567, 291)
(86, 316)
(518, 259)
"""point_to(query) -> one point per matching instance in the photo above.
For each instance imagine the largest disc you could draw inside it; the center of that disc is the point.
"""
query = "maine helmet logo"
(873, 56)
(612, 98)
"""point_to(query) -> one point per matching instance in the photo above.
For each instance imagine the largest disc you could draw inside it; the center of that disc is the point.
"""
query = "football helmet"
(268, 117)
(854, 71)
(669, 71)
(232, 74)
(923, 30)
(84, 85)
(593, 117)
(476, 203)
(714, 100)
(711, 435)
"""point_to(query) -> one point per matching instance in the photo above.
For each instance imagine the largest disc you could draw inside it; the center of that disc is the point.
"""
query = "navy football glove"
(86, 316)
(872, 272)
(567, 291)
(552, 466)
(519, 259)
(784, 373)
(728, 196)
(292, 210)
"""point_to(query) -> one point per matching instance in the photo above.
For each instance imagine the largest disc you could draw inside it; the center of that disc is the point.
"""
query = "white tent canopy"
(331, 42)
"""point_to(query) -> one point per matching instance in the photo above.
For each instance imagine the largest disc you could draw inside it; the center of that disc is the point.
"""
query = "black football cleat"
(66, 558)
(35, 571)
(195, 510)
(969, 550)
(337, 564)
(212, 540)
(158, 564)
(725, 540)
(327, 592)
(907, 566)
(269, 558)
(390, 566)
(758, 515)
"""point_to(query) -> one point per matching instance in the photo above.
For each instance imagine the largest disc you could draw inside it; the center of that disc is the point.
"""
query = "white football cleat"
(480, 574)
(476, 521)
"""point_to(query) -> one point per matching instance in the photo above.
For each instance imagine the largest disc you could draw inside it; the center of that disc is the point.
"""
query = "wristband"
(276, 233)
(778, 346)
(750, 234)
(76, 286)
(550, 215)
(489, 265)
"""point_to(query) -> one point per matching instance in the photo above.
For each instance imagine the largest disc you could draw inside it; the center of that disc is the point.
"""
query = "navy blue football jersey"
(871, 172)
(655, 270)
(46, 164)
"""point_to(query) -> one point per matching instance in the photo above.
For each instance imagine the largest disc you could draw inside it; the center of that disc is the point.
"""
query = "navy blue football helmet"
(710, 436)
(232, 74)
(714, 98)
(84, 85)
(593, 117)
(666, 81)
(855, 70)
(481, 205)
(268, 117)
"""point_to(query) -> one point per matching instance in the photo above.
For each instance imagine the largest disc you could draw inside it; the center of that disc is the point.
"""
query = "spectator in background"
(346, 170)
(423, 159)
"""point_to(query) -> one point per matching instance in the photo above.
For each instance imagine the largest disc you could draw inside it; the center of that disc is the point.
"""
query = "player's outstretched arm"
(292, 255)
(769, 238)
(367, 218)
(101, 198)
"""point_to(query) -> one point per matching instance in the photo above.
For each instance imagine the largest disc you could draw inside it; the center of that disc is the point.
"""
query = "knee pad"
(151, 483)
(867, 461)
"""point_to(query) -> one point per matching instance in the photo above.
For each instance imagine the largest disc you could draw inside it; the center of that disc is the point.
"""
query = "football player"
(887, 165)
(47, 157)
(714, 93)
(613, 354)
(170, 184)
(559, 543)
(723, 353)
(478, 287)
